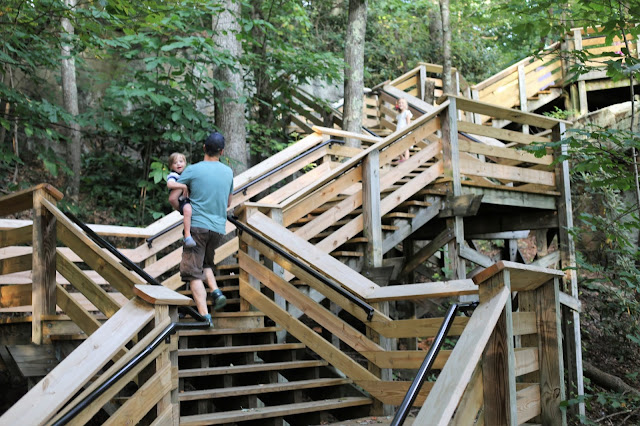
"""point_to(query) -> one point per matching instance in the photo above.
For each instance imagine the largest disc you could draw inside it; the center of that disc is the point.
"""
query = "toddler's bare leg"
(186, 212)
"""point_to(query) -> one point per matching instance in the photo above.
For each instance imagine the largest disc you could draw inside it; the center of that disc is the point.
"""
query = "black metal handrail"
(244, 187)
(161, 233)
(168, 331)
(416, 385)
(128, 262)
(325, 280)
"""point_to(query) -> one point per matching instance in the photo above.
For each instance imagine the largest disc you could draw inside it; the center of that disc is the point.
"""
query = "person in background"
(402, 121)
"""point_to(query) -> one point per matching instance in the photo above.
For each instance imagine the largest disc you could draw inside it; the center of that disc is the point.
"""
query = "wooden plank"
(43, 269)
(405, 359)
(393, 393)
(471, 401)
(303, 181)
(50, 394)
(475, 256)
(306, 335)
(371, 216)
(76, 312)
(529, 403)
(117, 275)
(23, 200)
(311, 308)
(16, 236)
(522, 277)
(526, 361)
(33, 360)
(15, 295)
(506, 113)
(365, 137)
(456, 374)
(310, 254)
(570, 302)
(144, 399)
(427, 251)
(510, 173)
(423, 290)
(524, 323)
(423, 327)
(94, 407)
(160, 295)
(508, 153)
(91, 290)
(15, 264)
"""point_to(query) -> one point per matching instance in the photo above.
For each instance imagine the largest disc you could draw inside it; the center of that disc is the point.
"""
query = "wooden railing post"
(498, 359)
(43, 297)
(522, 90)
(544, 301)
(451, 159)
(572, 339)
(254, 254)
(372, 219)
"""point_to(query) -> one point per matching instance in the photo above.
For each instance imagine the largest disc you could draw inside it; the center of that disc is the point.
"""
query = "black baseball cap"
(215, 141)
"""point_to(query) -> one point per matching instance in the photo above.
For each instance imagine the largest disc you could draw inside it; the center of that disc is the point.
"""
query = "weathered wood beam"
(462, 206)
(429, 250)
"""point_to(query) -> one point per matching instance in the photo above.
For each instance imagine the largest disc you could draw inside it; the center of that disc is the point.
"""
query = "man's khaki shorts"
(196, 259)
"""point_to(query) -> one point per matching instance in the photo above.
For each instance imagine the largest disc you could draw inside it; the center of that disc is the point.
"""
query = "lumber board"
(165, 263)
(310, 338)
(311, 308)
(116, 274)
(74, 310)
(261, 388)
(16, 236)
(517, 116)
(160, 295)
(345, 134)
(32, 360)
(50, 394)
(405, 359)
(456, 374)
(83, 283)
(310, 254)
(471, 401)
(15, 295)
(309, 178)
(427, 251)
(424, 290)
(23, 200)
(20, 263)
(528, 403)
(423, 327)
(144, 399)
(526, 360)
(508, 153)
(393, 393)
(511, 173)
(524, 323)
(522, 277)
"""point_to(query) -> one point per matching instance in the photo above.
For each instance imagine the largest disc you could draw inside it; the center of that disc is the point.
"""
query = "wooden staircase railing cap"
(160, 295)
(23, 200)
(492, 110)
(521, 277)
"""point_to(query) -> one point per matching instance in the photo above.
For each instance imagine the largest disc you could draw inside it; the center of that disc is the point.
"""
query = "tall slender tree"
(230, 107)
(70, 99)
(447, 85)
(354, 69)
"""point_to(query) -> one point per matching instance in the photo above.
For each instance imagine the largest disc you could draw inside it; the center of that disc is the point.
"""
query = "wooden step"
(262, 388)
(345, 253)
(226, 331)
(240, 349)
(247, 414)
(227, 267)
(250, 368)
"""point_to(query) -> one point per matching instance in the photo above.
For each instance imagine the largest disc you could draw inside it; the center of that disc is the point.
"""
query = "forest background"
(94, 95)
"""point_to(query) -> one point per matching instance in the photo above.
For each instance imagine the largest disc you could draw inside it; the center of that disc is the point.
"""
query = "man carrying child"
(210, 189)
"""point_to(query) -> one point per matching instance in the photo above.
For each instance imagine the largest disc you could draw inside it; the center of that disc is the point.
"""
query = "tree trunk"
(354, 69)
(230, 109)
(446, 47)
(607, 380)
(70, 99)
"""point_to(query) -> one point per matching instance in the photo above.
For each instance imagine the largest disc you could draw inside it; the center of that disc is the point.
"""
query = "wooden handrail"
(23, 200)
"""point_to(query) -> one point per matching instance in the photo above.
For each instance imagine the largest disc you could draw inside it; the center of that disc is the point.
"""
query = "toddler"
(177, 164)
(403, 119)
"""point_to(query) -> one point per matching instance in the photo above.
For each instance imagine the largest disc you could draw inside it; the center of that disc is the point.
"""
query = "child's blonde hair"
(174, 157)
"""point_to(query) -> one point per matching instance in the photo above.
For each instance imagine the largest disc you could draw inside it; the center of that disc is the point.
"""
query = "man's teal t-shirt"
(210, 183)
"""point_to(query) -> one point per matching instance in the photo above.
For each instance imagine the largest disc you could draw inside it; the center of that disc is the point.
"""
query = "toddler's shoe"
(219, 299)
(189, 242)
(208, 318)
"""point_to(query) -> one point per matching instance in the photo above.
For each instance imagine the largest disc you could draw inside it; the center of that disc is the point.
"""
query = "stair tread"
(224, 331)
(240, 349)
(275, 411)
(250, 368)
(262, 388)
